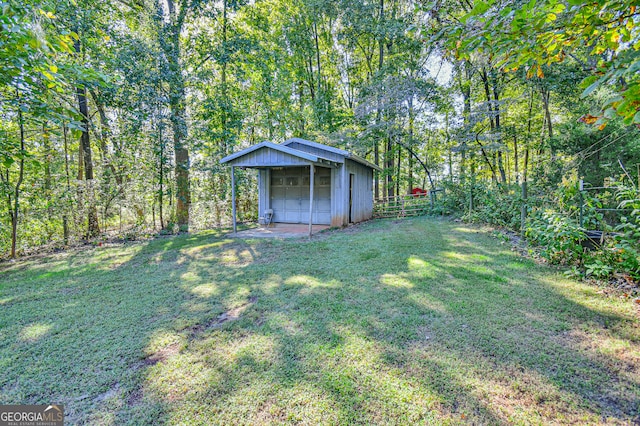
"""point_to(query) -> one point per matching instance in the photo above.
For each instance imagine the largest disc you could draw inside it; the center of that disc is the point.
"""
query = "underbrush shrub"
(558, 237)
(454, 199)
(627, 238)
(553, 222)
(499, 207)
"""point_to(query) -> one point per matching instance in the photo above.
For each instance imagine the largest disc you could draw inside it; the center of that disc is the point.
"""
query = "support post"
(311, 174)
(233, 198)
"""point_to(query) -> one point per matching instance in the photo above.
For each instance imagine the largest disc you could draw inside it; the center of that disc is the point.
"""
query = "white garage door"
(290, 195)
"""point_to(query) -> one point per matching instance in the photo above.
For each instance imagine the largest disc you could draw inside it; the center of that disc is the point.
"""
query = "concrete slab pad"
(279, 230)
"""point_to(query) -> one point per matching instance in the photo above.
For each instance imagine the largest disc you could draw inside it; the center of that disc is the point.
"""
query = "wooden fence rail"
(402, 206)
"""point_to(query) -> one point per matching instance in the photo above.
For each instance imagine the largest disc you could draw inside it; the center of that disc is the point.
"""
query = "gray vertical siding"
(362, 204)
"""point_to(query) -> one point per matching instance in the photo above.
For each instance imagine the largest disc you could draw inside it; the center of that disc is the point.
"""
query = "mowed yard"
(389, 322)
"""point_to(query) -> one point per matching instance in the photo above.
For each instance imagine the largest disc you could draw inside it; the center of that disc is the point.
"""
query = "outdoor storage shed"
(339, 183)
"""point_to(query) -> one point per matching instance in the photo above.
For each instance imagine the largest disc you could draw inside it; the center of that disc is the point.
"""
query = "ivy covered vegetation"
(114, 115)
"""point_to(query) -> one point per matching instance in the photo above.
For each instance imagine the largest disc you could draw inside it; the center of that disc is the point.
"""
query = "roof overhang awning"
(268, 154)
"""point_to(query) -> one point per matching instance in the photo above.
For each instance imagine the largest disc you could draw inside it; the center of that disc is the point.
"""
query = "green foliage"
(598, 269)
(210, 78)
(627, 239)
(533, 34)
(497, 206)
(558, 237)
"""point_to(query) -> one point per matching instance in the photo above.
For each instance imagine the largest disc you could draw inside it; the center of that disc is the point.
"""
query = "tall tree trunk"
(546, 94)
(161, 175)
(103, 137)
(223, 83)
(376, 173)
(318, 67)
(177, 104)
(515, 156)
(466, 112)
(493, 120)
(93, 227)
(46, 145)
(376, 149)
(448, 143)
(398, 171)
(183, 193)
(80, 175)
(411, 124)
(65, 218)
(389, 166)
(300, 110)
(15, 212)
(496, 109)
(311, 79)
(528, 138)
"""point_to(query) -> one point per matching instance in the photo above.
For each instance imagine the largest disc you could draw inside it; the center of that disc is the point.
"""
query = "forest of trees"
(114, 115)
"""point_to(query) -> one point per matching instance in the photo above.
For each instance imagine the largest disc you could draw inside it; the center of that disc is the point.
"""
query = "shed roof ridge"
(344, 153)
(317, 145)
(269, 144)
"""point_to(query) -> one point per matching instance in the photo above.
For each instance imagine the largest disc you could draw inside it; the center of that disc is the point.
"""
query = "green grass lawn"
(389, 322)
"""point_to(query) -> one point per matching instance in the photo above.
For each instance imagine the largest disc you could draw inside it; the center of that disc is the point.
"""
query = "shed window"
(324, 181)
(276, 181)
(292, 181)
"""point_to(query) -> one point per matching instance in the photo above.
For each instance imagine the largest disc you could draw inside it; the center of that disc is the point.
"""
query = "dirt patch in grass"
(163, 354)
(232, 314)
(135, 397)
(228, 316)
(110, 393)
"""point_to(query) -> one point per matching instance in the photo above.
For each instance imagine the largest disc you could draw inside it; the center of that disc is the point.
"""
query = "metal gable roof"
(362, 161)
(338, 151)
(284, 148)
(316, 145)
(277, 147)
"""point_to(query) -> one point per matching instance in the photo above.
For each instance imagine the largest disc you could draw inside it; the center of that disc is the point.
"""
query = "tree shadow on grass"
(77, 332)
(347, 329)
(406, 338)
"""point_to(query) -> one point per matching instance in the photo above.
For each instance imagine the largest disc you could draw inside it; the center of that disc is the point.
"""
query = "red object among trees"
(418, 192)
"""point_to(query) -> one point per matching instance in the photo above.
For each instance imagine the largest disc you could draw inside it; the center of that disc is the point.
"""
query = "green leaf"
(591, 88)
(7, 162)
(479, 8)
